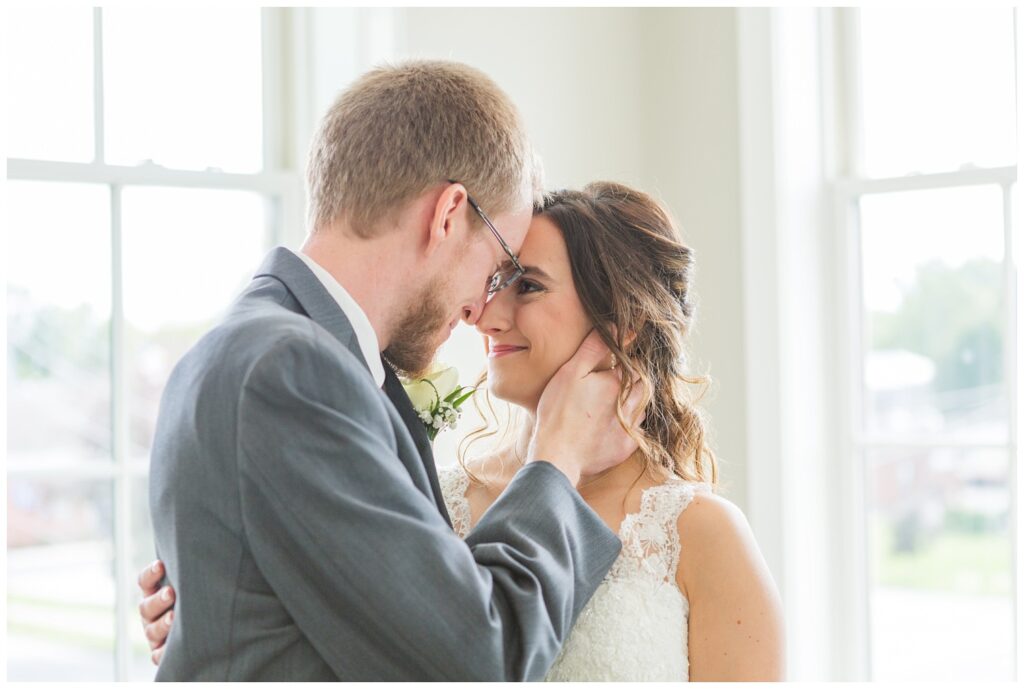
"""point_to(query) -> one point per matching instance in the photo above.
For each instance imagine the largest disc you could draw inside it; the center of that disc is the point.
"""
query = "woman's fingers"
(149, 578)
(156, 632)
(155, 605)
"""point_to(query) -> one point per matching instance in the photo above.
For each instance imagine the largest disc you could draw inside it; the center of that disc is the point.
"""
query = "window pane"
(941, 565)
(50, 101)
(183, 88)
(938, 89)
(58, 323)
(60, 583)
(933, 286)
(187, 254)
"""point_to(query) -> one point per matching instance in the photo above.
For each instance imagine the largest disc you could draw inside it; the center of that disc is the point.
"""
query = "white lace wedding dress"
(635, 626)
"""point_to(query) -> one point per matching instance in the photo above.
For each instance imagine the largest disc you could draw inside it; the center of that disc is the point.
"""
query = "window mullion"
(67, 471)
(271, 27)
(859, 486)
(1011, 362)
(98, 94)
(1011, 359)
(851, 92)
(147, 175)
(1012, 192)
(852, 565)
(923, 442)
(119, 417)
(862, 186)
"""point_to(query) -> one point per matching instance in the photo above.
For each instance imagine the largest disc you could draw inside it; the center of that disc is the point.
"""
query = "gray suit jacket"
(296, 507)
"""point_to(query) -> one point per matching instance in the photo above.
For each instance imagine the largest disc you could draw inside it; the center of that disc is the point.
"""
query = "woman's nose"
(495, 314)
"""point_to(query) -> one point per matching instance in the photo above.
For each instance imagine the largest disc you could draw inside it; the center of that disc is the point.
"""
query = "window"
(930, 142)
(144, 190)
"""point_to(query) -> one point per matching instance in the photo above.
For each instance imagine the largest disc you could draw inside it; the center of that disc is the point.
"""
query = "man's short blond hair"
(401, 129)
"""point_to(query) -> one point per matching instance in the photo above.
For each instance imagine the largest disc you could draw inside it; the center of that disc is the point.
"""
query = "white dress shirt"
(365, 333)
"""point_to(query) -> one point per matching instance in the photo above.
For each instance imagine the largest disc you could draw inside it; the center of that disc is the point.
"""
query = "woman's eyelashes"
(525, 286)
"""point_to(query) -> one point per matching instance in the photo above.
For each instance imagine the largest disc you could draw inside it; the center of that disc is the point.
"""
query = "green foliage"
(949, 560)
(953, 316)
(56, 338)
(961, 521)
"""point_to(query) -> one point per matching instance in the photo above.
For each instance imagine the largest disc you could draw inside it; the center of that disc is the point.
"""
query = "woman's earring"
(614, 362)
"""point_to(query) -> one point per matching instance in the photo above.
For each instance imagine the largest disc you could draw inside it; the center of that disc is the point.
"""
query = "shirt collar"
(365, 334)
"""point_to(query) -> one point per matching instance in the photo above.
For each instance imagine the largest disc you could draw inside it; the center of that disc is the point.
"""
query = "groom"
(293, 492)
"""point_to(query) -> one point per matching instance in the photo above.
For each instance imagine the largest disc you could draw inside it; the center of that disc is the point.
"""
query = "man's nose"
(471, 313)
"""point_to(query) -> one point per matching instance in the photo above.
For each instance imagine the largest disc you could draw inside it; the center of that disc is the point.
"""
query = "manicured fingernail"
(166, 595)
(167, 620)
(155, 567)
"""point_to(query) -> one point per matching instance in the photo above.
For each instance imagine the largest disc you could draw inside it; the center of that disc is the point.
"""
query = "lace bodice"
(635, 626)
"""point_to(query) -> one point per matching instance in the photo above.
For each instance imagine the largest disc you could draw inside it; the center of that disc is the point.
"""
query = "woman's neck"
(617, 477)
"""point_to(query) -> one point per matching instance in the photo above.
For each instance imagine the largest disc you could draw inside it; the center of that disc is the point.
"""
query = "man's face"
(457, 292)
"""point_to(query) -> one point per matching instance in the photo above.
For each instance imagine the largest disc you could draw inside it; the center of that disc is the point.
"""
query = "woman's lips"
(502, 350)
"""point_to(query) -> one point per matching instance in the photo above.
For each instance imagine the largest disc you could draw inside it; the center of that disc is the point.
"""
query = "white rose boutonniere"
(436, 397)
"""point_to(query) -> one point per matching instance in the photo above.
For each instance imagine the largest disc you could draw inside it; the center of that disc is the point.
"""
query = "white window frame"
(278, 182)
(848, 189)
(802, 328)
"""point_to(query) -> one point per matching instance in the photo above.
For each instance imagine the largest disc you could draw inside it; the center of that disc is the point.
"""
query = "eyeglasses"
(502, 278)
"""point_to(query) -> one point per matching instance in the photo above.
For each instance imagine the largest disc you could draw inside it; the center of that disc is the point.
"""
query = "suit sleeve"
(363, 561)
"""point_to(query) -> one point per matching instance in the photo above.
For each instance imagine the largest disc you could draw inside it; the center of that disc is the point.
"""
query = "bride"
(690, 596)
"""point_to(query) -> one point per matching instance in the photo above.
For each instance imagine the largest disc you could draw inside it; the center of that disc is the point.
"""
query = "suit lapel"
(282, 264)
(319, 305)
(396, 393)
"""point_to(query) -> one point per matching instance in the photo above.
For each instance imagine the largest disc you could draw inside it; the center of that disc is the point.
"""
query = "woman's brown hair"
(632, 273)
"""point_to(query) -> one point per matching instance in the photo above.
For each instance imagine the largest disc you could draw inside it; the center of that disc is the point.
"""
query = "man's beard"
(412, 346)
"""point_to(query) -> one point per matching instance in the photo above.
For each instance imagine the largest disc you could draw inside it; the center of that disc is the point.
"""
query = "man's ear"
(449, 212)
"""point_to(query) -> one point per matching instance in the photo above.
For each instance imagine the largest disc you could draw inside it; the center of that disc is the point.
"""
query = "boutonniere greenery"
(436, 397)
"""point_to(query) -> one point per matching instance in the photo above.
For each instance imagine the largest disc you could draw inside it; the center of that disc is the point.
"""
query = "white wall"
(788, 297)
(691, 162)
(572, 72)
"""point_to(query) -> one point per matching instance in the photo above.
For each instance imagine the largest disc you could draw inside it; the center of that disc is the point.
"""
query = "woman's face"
(533, 327)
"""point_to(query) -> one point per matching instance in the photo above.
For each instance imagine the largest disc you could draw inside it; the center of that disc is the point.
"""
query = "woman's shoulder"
(707, 507)
(709, 518)
(669, 497)
(716, 541)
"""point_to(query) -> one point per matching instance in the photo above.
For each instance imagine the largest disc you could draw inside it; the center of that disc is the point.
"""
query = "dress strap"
(651, 536)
